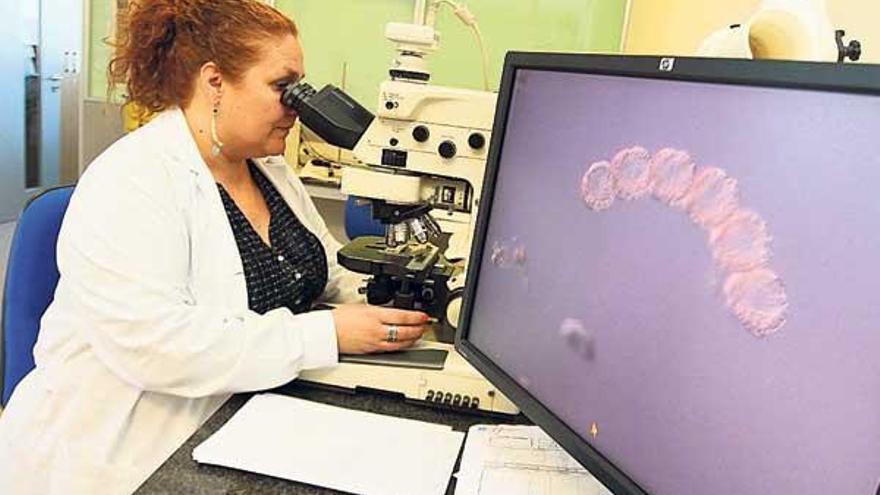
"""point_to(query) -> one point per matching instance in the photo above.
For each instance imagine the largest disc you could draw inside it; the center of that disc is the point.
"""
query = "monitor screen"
(678, 275)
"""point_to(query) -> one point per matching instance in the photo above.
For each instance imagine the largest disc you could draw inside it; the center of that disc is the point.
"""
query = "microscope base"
(457, 379)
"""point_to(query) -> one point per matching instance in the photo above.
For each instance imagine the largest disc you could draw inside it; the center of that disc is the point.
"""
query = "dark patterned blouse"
(293, 271)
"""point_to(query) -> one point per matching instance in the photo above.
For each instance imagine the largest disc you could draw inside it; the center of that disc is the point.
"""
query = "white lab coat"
(149, 332)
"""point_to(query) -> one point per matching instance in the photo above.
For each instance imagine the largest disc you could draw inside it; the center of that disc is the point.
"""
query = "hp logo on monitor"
(667, 64)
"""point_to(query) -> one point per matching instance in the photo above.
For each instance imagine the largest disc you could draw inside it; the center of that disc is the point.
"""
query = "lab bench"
(181, 474)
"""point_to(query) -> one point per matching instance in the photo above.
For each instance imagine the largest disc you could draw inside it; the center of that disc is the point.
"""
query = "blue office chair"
(31, 277)
(359, 220)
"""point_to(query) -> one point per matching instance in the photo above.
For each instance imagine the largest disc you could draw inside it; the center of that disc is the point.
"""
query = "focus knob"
(447, 149)
(477, 141)
(421, 133)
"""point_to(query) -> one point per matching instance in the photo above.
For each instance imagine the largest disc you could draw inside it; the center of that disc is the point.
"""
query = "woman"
(188, 265)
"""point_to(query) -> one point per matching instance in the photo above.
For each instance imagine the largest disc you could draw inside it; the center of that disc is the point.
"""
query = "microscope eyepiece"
(330, 113)
(296, 95)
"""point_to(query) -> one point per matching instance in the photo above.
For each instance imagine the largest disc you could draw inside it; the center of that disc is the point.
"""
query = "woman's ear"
(211, 82)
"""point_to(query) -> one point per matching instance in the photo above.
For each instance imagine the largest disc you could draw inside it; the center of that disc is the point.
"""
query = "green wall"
(99, 52)
(548, 25)
(337, 33)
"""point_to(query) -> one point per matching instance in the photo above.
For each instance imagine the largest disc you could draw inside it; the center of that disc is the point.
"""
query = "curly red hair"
(162, 44)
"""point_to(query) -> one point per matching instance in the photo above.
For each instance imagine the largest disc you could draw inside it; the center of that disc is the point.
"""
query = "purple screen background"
(686, 400)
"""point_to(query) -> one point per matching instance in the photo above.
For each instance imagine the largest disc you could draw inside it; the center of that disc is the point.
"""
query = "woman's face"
(252, 122)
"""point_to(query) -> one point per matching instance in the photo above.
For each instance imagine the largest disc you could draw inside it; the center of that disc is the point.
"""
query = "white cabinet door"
(12, 70)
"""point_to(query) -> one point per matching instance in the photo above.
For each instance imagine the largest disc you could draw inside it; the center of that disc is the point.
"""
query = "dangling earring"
(216, 144)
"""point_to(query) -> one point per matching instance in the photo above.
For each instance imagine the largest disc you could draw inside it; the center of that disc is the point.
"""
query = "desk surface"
(181, 474)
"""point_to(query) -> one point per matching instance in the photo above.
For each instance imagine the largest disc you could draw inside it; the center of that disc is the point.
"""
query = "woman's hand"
(362, 329)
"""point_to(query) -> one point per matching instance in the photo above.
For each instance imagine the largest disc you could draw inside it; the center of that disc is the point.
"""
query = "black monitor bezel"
(843, 78)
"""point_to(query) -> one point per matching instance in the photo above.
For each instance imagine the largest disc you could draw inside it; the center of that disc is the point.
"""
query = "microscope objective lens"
(389, 236)
(418, 230)
(401, 233)
(431, 226)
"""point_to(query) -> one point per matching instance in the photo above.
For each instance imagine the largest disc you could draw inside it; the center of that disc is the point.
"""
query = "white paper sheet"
(520, 460)
(338, 448)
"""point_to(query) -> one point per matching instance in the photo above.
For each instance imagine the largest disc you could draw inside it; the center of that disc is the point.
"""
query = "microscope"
(783, 29)
(422, 159)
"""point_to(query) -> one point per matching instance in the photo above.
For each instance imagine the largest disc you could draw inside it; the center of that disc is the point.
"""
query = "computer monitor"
(676, 270)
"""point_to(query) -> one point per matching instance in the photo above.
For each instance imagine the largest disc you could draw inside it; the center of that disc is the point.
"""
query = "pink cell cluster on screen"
(713, 197)
(597, 186)
(757, 298)
(673, 174)
(578, 338)
(497, 254)
(738, 238)
(740, 242)
(631, 169)
(508, 254)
